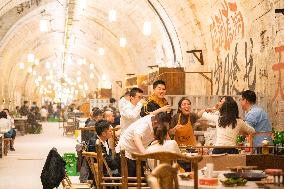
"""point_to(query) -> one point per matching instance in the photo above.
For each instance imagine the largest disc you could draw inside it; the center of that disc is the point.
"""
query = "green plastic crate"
(71, 167)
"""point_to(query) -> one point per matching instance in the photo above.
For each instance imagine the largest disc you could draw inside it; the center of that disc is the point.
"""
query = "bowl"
(226, 184)
(232, 175)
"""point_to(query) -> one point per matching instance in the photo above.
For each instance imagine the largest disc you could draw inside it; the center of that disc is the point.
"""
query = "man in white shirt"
(43, 113)
(131, 111)
(125, 99)
(138, 136)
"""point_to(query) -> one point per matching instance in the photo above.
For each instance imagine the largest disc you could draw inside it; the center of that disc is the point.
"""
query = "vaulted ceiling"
(77, 33)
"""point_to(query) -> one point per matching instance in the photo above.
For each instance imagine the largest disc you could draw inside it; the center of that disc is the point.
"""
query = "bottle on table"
(265, 148)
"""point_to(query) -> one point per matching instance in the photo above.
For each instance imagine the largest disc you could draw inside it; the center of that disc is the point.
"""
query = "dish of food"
(232, 182)
(186, 175)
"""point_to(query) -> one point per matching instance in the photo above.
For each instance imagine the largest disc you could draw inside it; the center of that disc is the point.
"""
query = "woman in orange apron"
(182, 122)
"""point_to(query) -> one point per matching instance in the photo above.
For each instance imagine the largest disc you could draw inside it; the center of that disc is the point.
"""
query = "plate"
(253, 176)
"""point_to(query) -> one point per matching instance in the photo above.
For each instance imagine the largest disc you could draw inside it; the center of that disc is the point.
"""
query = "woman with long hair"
(162, 142)
(228, 126)
(182, 123)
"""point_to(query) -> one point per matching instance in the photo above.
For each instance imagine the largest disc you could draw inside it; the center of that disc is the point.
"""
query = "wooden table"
(21, 125)
(269, 161)
(188, 184)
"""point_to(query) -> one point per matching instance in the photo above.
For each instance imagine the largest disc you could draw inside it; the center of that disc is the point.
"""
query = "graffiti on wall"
(27, 5)
(278, 67)
(226, 26)
(227, 74)
(249, 67)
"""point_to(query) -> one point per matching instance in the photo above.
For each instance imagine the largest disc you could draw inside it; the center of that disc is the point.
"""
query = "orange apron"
(184, 136)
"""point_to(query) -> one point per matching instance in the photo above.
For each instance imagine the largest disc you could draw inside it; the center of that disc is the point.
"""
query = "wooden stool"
(7, 142)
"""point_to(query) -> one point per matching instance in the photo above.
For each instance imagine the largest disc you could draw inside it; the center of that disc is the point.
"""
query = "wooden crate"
(104, 93)
(140, 81)
(174, 78)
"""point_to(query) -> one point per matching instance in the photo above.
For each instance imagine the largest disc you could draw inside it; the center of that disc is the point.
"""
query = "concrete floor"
(22, 168)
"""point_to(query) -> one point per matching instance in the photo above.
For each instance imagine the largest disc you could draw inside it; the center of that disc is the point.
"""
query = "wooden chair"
(7, 143)
(164, 176)
(168, 158)
(67, 184)
(97, 163)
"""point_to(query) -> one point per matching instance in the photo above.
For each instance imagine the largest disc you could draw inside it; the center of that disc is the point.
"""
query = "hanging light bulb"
(44, 25)
(31, 57)
(36, 61)
(22, 65)
(47, 65)
(101, 51)
(104, 77)
(147, 29)
(30, 69)
(122, 42)
(83, 4)
(78, 79)
(78, 72)
(39, 78)
(80, 62)
(92, 66)
(34, 72)
(84, 61)
(112, 15)
(92, 76)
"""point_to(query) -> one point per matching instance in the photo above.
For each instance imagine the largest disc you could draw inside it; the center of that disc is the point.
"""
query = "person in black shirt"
(104, 132)
(156, 102)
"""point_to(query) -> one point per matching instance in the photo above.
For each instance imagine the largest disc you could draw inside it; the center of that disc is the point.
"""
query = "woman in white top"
(162, 142)
(228, 126)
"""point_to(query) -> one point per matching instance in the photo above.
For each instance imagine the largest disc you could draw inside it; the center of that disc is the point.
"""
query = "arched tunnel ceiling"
(91, 30)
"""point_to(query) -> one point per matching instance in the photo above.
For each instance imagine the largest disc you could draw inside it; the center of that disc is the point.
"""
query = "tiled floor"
(22, 168)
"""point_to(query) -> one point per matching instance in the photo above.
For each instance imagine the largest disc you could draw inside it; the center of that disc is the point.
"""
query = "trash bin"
(70, 159)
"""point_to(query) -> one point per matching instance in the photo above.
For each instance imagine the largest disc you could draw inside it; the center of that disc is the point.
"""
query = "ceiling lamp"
(122, 42)
(36, 61)
(92, 66)
(47, 65)
(101, 51)
(147, 29)
(31, 57)
(84, 61)
(44, 25)
(86, 87)
(78, 79)
(112, 15)
(104, 77)
(30, 69)
(34, 72)
(78, 72)
(92, 76)
(37, 83)
(83, 4)
(22, 65)
(39, 78)
(80, 62)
